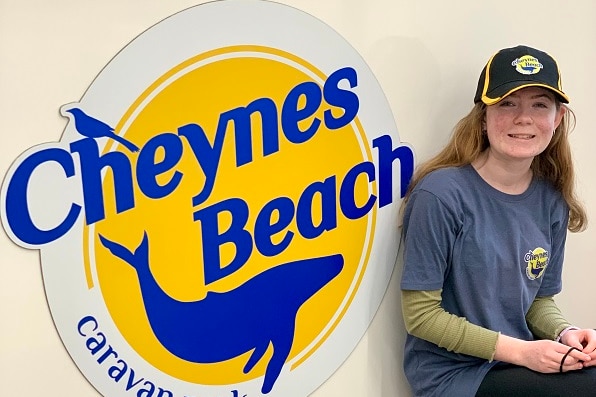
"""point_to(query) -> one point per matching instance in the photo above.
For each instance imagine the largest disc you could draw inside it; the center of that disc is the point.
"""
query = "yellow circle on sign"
(197, 92)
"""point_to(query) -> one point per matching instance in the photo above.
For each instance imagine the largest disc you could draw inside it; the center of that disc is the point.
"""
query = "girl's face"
(521, 125)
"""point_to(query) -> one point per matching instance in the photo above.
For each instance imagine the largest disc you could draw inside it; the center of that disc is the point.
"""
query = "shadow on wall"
(410, 76)
(386, 343)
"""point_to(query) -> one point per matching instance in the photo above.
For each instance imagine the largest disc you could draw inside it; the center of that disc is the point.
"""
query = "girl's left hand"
(584, 339)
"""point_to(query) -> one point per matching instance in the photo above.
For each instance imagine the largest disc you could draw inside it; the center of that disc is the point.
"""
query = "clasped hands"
(581, 352)
(575, 350)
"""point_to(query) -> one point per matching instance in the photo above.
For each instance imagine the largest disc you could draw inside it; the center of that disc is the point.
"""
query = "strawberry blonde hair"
(554, 164)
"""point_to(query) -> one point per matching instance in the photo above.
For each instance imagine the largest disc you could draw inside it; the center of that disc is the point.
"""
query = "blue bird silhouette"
(93, 128)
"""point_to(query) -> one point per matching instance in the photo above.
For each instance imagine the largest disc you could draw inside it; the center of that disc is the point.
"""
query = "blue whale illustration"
(536, 271)
(529, 68)
(222, 326)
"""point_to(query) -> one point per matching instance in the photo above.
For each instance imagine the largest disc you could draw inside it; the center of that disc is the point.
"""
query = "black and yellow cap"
(514, 68)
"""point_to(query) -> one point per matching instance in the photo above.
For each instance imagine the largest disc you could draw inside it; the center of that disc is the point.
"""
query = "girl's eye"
(506, 103)
(541, 105)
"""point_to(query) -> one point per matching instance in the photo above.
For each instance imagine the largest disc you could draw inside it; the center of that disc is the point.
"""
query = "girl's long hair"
(554, 164)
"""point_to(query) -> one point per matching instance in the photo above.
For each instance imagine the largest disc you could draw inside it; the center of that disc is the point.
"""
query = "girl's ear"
(559, 116)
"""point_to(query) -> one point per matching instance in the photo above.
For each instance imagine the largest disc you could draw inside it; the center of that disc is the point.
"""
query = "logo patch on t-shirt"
(537, 261)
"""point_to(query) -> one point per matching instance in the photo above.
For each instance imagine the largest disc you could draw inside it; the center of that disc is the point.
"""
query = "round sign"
(220, 216)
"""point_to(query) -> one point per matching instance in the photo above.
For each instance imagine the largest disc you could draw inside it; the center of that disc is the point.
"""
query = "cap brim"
(502, 91)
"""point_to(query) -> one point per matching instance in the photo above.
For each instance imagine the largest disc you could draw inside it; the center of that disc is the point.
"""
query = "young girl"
(484, 230)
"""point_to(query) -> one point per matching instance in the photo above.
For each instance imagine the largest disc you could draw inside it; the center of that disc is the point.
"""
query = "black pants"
(513, 381)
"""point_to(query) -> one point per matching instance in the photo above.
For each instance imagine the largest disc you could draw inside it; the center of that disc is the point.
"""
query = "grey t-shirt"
(492, 253)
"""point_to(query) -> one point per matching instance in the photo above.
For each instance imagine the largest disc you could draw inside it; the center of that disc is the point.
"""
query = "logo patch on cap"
(527, 65)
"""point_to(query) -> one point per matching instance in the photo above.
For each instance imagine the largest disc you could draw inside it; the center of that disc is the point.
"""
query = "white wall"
(426, 55)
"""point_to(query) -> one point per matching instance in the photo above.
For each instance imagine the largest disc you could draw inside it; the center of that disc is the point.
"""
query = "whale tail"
(136, 259)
